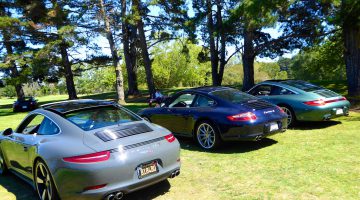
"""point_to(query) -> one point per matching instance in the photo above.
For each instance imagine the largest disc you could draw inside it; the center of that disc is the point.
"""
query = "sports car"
(302, 101)
(25, 104)
(212, 115)
(88, 149)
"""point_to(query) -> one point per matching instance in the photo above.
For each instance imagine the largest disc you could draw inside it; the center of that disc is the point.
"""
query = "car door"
(24, 144)
(176, 114)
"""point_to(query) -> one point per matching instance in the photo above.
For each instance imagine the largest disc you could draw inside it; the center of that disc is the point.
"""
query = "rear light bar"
(89, 158)
(248, 116)
(170, 138)
(321, 102)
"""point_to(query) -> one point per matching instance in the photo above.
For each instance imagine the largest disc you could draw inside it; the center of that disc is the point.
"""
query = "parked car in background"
(301, 100)
(212, 115)
(25, 104)
(87, 149)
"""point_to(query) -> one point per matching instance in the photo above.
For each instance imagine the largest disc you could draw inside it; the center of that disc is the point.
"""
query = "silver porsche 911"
(88, 149)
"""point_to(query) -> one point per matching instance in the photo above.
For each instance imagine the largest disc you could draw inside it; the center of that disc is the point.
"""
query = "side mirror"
(7, 132)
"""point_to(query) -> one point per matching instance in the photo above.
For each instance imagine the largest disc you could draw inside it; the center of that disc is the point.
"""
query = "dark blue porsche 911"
(212, 115)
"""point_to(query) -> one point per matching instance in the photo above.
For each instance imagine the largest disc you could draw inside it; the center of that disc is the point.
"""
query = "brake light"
(319, 102)
(89, 158)
(280, 109)
(249, 116)
(336, 100)
(170, 138)
(95, 187)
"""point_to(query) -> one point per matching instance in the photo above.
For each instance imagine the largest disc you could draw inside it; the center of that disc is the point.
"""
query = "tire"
(291, 116)
(3, 168)
(44, 183)
(207, 135)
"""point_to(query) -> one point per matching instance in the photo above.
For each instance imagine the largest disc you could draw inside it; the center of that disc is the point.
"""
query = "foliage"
(321, 62)
(8, 91)
(176, 64)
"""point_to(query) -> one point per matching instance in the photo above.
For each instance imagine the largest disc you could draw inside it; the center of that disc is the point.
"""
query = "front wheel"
(207, 136)
(44, 183)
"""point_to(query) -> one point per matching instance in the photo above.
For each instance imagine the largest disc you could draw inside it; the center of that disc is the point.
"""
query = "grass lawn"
(311, 161)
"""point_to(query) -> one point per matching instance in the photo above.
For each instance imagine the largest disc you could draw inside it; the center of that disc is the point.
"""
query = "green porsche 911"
(302, 101)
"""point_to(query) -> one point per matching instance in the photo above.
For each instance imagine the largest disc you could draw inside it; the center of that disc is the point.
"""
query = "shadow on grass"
(23, 191)
(229, 147)
(20, 189)
(150, 192)
(314, 125)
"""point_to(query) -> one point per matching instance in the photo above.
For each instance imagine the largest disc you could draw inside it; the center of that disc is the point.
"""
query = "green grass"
(311, 161)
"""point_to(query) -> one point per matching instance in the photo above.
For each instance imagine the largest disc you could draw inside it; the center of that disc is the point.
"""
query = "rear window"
(232, 95)
(302, 85)
(99, 117)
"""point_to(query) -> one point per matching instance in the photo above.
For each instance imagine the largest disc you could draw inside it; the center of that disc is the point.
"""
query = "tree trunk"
(69, 77)
(129, 54)
(144, 50)
(213, 51)
(248, 58)
(120, 97)
(222, 42)
(351, 34)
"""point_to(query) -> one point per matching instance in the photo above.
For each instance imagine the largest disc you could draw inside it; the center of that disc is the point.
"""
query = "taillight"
(170, 138)
(249, 116)
(95, 187)
(319, 102)
(89, 158)
(336, 100)
(280, 109)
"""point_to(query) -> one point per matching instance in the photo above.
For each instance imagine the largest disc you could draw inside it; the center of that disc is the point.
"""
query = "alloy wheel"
(43, 182)
(206, 135)
(289, 115)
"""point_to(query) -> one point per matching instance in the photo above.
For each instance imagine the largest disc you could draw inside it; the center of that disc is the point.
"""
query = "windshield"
(99, 117)
(302, 85)
(232, 95)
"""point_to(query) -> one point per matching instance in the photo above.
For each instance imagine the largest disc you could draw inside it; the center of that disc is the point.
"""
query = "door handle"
(26, 148)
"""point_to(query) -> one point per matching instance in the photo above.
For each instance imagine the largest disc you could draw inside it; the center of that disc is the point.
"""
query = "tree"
(350, 23)
(118, 72)
(12, 39)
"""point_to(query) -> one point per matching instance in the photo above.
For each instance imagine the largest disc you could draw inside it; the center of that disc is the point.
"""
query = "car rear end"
(324, 104)
(245, 117)
(124, 157)
(258, 120)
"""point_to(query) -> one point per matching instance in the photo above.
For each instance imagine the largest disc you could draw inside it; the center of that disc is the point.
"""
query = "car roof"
(206, 89)
(64, 107)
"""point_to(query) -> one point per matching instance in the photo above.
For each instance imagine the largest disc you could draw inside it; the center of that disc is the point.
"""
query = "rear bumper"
(322, 113)
(252, 132)
(119, 173)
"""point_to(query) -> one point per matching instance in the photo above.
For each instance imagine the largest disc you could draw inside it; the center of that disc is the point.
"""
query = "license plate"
(24, 107)
(147, 169)
(274, 127)
(339, 111)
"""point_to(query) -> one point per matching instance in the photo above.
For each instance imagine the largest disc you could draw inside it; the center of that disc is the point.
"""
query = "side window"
(261, 90)
(202, 101)
(275, 90)
(48, 127)
(31, 124)
(182, 101)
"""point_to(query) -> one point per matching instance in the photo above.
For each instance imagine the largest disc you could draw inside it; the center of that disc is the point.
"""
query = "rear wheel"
(3, 167)
(290, 115)
(44, 183)
(207, 135)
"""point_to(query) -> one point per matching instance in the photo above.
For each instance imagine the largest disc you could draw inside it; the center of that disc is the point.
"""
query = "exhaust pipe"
(110, 197)
(118, 196)
(257, 138)
(115, 196)
(177, 172)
